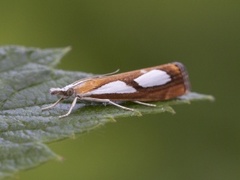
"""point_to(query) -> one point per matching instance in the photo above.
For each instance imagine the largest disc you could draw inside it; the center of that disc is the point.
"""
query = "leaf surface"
(26, 74)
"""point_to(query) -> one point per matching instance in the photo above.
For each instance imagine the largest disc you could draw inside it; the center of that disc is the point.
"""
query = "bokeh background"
(201, 141)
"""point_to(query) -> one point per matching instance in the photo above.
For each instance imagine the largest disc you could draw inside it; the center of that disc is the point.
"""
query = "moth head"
(63, 92)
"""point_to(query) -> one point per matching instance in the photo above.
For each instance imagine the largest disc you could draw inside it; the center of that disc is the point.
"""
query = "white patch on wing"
(153, 78)
(115, 87)
(143, 71)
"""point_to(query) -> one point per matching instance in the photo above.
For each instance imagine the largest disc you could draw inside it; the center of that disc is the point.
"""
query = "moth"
(142, 86)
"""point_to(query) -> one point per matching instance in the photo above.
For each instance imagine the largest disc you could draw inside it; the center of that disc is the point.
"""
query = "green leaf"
(26, 74)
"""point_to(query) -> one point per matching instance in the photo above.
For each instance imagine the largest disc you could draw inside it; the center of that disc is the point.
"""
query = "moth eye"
(69, 92)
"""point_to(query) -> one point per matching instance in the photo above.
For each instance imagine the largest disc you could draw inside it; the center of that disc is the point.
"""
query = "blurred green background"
(201, 141)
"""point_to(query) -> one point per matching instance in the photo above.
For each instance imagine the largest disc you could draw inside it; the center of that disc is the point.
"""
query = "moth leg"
(108, 101)
(70, 109)
(52, 105)
(145, 104)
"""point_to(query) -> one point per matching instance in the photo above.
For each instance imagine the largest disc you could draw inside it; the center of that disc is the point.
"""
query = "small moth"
(157, 83)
